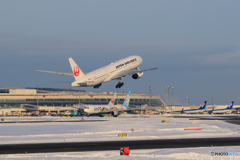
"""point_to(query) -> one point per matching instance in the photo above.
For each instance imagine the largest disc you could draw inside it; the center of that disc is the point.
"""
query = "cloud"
(225, 59)
(158, 54)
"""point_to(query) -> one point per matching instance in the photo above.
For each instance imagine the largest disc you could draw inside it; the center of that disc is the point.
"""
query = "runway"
(115, 145)
(210, 117)
(229, 119)
(51, 121)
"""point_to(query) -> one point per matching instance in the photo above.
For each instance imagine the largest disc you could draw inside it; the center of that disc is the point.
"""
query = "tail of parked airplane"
(230, 105)
(204, 105)
(182, 111)
(77, 72)
(113, 99)
(127, 100)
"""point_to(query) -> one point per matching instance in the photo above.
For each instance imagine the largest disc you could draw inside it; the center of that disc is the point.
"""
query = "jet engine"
(137, 75)
(114, 113)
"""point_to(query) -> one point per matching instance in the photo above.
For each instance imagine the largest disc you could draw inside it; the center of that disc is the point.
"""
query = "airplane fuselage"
(94, 109)
(227, 111)
(192, 111)
(107, 73)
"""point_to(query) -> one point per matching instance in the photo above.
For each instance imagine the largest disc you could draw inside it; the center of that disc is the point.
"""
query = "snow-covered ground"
(149, 127)
(203, 153)
(144, 128)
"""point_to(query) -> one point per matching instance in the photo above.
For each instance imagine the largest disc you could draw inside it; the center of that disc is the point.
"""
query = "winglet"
(77, 72)
(127, 100)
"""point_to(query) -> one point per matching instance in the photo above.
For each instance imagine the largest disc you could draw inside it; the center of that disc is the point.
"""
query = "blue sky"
(195, 44)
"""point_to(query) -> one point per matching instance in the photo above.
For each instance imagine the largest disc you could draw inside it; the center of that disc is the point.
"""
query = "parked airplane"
(114, 110)
(72, 113)
(225, 110)
(116, 70)
(79, 112)
(199, 110)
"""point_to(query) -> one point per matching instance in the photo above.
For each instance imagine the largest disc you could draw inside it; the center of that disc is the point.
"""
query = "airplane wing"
(59, 72)
(120, 111)
(32, 105)
(124, 73)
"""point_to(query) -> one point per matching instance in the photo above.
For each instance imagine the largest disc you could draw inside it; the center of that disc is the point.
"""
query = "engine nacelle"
(114, 113)
(137, 75)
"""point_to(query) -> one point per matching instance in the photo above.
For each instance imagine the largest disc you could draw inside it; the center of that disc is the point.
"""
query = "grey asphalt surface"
(229, 119)
(115, 145)
(33, 121)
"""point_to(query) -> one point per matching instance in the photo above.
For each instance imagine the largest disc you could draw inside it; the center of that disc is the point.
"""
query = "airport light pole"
(149, 95)
(212, 100)
(168, 94)
(188, 100)
(37, 94)
(79, 97)
(172, 95)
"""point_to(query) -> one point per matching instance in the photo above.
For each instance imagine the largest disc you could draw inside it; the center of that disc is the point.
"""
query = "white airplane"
(114, 110)
(116, 70)
(199, 110)
(227, 110)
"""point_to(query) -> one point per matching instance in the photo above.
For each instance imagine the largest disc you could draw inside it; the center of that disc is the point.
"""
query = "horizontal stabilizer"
(59, 72)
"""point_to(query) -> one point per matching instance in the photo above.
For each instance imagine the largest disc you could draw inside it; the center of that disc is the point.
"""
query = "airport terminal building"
(51, 97)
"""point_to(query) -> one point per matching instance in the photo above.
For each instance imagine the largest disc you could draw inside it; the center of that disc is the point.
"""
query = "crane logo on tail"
(112, 100)
(76, 71)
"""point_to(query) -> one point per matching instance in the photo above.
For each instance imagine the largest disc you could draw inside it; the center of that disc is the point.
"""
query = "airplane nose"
(140, 59)
(81, 110)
